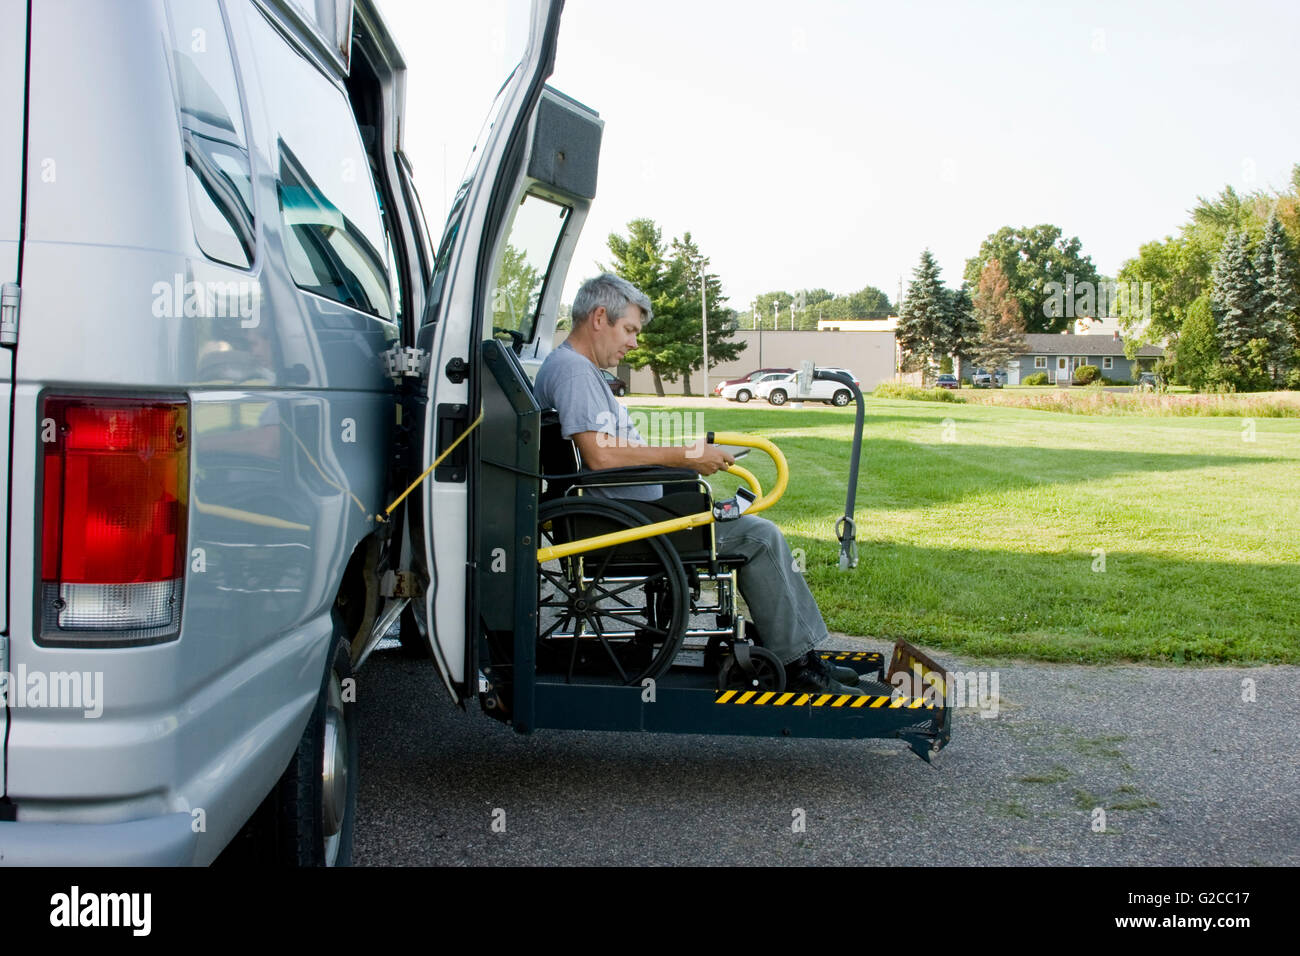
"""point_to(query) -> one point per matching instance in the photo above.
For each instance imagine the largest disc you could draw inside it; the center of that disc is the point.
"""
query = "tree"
(1179, 272)
(1235, 301)
(641, 259)
(1278, 303)
(961, 330)
(1002, 329)
(1179, 267)
(1198, 347)
(688, 258)
(1031, 257)
(671, 344)
(923, 317)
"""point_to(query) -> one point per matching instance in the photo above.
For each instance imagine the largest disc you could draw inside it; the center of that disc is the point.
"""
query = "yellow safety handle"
(428, 471)
(686, 521)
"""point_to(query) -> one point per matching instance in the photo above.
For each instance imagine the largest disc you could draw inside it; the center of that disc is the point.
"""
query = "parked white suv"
(785, 388)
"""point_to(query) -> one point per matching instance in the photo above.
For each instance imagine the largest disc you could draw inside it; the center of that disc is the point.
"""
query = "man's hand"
(706, 458)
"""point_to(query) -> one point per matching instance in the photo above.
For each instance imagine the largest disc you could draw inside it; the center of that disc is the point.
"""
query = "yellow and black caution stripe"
(849, 655)
(794, 699)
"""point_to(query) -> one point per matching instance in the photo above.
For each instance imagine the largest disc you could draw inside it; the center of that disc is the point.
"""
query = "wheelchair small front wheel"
(764, 673)
(614, 614)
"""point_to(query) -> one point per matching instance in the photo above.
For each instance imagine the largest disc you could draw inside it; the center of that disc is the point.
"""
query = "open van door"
(499, 273)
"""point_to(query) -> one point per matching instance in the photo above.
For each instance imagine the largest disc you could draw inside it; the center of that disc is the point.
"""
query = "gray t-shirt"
(572, 384)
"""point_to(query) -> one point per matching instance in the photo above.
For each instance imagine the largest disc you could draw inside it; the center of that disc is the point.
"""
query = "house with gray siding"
(1060, 354)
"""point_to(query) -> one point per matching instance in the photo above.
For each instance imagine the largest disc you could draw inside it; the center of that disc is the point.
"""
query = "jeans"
(789, 622)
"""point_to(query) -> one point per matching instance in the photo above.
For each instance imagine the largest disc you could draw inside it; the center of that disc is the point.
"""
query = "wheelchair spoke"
(559, 624)
(556, 578)
(595, 623)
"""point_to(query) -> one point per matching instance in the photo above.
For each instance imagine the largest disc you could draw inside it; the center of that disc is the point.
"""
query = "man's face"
(614, 338)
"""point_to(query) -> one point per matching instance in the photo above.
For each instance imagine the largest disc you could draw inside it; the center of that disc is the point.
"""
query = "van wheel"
(841, 398)
(777, 397)
(743, 396)
(316, 798)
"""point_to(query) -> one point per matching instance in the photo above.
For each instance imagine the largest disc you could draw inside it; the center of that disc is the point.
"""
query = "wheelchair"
(634, 608)
(619, 614)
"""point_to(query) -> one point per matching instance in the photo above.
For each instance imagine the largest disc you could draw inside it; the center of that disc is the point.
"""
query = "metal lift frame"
(683, 699)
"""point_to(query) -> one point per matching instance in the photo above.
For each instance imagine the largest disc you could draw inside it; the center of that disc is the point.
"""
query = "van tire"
(303, 808)
(777, 397)
(841, 398)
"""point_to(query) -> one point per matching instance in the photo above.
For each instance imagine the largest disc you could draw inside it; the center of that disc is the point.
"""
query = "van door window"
(524, 265)
(333, 233)
(212, 127)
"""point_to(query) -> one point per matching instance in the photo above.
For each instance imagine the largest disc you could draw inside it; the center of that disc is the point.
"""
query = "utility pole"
(704, 305)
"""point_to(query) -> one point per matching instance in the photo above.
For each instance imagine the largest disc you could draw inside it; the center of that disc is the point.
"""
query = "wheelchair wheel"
(765, 670)
(617, 614)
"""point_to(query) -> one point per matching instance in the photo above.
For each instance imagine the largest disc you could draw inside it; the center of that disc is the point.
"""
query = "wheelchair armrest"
(635, 475)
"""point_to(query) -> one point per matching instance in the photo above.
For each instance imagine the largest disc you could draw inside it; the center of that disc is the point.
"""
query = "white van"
(229, 344)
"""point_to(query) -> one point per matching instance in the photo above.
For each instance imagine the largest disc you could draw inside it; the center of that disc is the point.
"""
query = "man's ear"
(598, 313)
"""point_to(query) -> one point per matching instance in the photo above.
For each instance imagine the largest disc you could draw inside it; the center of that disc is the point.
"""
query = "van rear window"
(219, 175)
(333, 234)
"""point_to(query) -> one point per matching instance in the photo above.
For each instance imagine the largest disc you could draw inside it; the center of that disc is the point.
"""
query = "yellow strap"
(428, 471)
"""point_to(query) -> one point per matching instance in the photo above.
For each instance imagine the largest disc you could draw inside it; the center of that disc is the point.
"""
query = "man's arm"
(600, 451)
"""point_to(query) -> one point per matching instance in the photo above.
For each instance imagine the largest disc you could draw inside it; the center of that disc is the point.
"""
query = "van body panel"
(13, 92)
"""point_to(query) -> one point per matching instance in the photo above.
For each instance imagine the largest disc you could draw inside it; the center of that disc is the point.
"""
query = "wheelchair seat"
(638, 599)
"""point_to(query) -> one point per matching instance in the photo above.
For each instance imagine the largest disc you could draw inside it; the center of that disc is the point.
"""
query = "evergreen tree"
(922, 319)
(1236, 301)
(1279, 305)
(961, 331)
(1002, 328)
(691, 262)
(1197, 352)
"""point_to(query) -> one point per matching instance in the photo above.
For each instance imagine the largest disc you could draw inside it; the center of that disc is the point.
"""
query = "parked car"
(781, 389)
(616, 384)
(743, 390)
(1147, 382)
(947, 381)
(752, 377)
(982, 378)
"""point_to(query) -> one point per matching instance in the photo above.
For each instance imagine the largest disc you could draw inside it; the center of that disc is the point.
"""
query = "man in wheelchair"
(608, 313)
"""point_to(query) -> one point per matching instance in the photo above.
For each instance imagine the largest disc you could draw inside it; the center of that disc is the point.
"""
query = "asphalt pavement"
(1092, 765)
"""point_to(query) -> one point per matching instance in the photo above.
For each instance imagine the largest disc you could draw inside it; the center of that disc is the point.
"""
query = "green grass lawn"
(1003, 531)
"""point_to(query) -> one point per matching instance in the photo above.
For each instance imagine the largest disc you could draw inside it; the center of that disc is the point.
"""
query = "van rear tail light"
(115, 496)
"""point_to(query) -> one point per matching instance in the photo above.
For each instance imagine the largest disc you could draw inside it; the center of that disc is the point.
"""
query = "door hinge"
(403, 362)
(398, 584)
(457, 369)
(10, 298)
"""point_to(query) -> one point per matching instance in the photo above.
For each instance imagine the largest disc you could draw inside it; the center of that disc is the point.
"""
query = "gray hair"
(612, 292)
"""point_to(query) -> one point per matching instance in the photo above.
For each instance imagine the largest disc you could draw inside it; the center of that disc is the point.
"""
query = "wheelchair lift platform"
(685, 700)
(531, 649)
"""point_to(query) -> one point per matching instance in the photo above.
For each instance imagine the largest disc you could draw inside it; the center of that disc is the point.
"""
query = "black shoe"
(845, 675)
(812, 675)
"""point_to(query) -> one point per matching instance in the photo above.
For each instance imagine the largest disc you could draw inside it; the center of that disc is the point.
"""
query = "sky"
(826, 145)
